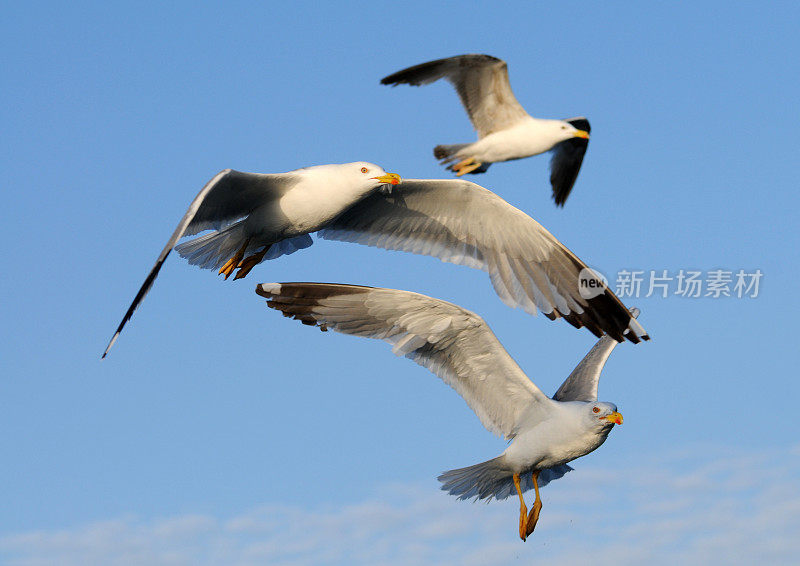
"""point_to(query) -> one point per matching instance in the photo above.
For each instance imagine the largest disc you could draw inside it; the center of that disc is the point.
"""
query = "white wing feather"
(452, 342)
(581, 385)
(481, 82)
(463, 223)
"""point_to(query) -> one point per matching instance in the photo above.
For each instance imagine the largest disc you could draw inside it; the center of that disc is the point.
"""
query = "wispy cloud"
(690, 508)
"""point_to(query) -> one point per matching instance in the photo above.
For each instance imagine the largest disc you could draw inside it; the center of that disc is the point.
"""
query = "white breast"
(557, 440)
(528, 137)
(317, 199)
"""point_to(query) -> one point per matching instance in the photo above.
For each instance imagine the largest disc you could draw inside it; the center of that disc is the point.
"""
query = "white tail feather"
(492, 479)
(212, 250)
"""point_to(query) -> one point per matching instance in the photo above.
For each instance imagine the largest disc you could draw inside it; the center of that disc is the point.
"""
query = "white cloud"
(724, 509)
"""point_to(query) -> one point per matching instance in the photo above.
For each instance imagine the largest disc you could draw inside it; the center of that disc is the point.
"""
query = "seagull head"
(563, 130)
(604, 415)
(371, 176)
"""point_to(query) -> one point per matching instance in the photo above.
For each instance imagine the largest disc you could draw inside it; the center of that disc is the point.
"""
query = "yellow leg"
(533, 518)
(466, 166)
(523, 510)
(250, 262)
(233, 263)
(468, 169)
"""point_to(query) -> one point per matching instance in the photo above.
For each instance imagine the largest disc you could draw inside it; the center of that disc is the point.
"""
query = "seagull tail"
(493, 479)
(450, 153)
(212, 250)
(447, 153)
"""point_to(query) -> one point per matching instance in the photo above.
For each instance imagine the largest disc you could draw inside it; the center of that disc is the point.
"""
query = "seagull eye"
(596, 410)
(364, 169)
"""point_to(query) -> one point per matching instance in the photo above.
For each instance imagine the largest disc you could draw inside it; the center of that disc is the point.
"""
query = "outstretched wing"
(452, 342)
(581, 385)
(566, 162)
(229, 196)
(482, 85)
(463, 223)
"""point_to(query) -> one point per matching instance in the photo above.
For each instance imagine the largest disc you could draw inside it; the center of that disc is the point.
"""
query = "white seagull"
(458, 346)
(267, 216)
(505, 130)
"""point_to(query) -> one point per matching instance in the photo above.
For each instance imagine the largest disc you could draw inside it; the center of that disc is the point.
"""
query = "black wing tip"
(604, 314)
(309, 289)
(111, 342)
(581, 123)
(297, 300)
(143, 290)
(398, 79)
(562, 189)
(414, 74)
(565, 166)
(560, 195)
(633, 324)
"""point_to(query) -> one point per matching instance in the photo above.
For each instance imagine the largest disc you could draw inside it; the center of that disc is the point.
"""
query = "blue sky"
(218, 433)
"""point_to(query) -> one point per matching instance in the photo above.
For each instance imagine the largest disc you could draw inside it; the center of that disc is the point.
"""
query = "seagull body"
(530, 136)
(564, 430)
(458, 346)
(505, 130)
(255, 217)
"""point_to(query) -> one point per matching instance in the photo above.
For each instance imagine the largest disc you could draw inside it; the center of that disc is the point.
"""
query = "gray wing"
(566, 162)
(581, 385)
(482, 85)
(463, 223)
(452, 342)
(229, 196)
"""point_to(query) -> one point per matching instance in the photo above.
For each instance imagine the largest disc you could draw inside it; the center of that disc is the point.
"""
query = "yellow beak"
(391, 178)
(582, 134)
(614, 417)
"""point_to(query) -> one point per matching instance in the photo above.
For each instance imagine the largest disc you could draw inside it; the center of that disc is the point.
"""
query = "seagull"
(452, 219)
(505, 130)
(458, 346)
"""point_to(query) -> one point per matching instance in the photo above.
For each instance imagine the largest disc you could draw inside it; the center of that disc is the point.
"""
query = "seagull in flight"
(458, 346)
(255, 217)
(505, 130)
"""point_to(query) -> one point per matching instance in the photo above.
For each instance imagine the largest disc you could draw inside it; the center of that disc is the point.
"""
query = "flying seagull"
(458, 346)
(452, 219)
(505, 130)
